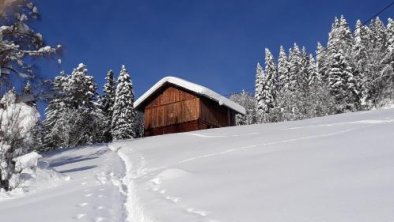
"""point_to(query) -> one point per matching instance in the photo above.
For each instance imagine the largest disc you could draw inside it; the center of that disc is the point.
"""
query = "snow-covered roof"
(198, 89)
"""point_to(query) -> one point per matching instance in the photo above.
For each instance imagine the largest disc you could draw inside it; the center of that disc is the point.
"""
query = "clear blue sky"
(216, 43)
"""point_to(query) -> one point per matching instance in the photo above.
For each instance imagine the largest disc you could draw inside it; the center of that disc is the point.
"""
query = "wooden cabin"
(175, 105)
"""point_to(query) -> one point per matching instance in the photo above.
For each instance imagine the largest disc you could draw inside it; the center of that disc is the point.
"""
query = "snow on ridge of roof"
(198, 89)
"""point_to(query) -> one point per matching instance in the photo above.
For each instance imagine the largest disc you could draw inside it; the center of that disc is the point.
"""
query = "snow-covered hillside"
(336, 168)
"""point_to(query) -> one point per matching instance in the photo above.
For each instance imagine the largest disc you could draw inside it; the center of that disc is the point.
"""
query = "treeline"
(354, 71)
(76, 115)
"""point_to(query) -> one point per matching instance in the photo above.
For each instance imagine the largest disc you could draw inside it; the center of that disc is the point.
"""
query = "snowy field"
(337, 168)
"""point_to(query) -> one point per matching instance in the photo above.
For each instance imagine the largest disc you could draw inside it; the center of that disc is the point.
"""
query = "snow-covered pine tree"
(123, 118)
(387, 73)
(342, 84)
(295, 63)
(81, 88)
(283, 85)
(55, 135)
(73, 118)
(318, 99)
(304, 75)
(270, 88)
(283, 70)
(321, 61)
(376, 51)
(246, 100)
(361, 61)
(314, 77)
(106, 104)
(258, 93)
(341, 73)
(292, 111)
(301, 91)
(82, 95)
(340, 37)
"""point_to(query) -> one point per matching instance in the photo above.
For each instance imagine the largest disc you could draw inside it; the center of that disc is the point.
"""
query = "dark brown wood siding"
(173, 109)
(170, 107)
(175, 128)
(214, 115)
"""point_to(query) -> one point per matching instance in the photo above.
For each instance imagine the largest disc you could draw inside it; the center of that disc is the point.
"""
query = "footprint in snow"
(82, 204)
(79, 216)
(173, 199)
(99, 208)
(99, 219)
(198, 212)
(88, 195)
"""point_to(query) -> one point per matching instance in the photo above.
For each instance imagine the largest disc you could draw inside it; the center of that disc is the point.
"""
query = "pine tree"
(283, 85)
(342, 84)
(318, 101)
(283, 70)
(270, 88)
(107, 103)
(258, 93)
(304, 75)
(361, 61)
(340, 37)
(55, 121)
(293, 95)
(84, 111)
(376, 51)
(295, 65)
(81, 89)
(387, 73)
(321, 55)
(73, 118)
(314, 77)
(342, 75)
(123, 119)
(248, 102)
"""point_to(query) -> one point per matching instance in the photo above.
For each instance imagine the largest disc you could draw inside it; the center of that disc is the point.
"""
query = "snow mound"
(33, 174)
(27, 161)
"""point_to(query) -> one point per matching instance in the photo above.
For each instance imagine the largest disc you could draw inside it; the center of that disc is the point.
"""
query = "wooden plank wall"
(176, 128)
(215, 115)
(171, 106)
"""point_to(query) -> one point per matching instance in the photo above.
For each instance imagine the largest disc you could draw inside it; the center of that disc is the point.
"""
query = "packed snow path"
(336, 168)
(90, 191)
